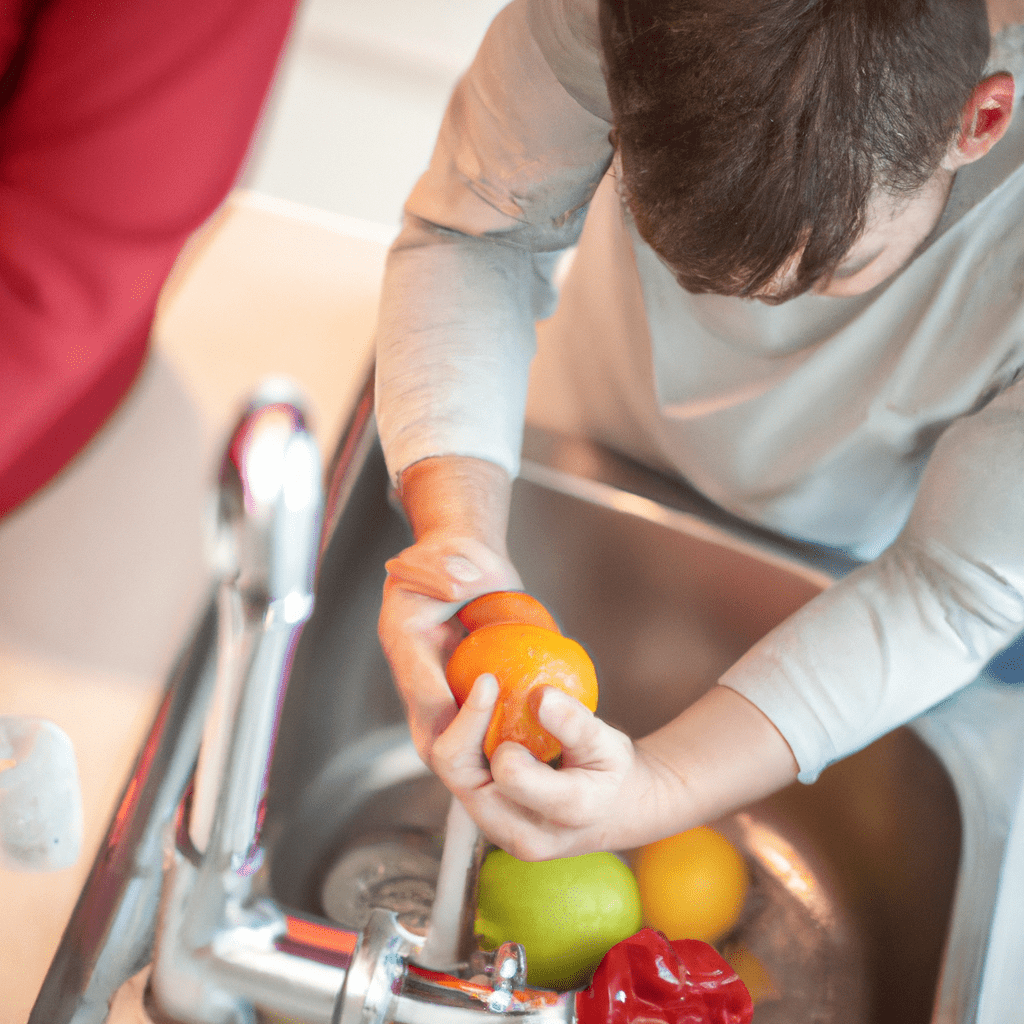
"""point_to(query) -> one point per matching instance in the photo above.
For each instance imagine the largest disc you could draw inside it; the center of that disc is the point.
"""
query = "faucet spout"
(269, 507)
(266, 542)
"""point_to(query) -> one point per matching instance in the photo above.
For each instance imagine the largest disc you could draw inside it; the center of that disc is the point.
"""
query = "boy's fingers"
(530, 783)
(413, 632)
(409, 581)
(566, 799)
(423, 576)
(563, 716)
(506, 824)
(458, 753)
(587, 742)
(451, 569)
(430, 706)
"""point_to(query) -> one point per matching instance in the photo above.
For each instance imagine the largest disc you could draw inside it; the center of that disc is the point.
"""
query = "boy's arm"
(522, 148)
(517, 161)
(911, 627)
(872, 652)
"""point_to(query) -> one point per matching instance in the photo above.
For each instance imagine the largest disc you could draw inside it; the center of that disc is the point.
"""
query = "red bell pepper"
(648, 979)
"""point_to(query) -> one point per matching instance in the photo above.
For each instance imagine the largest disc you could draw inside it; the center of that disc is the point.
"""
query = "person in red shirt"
(122, 127)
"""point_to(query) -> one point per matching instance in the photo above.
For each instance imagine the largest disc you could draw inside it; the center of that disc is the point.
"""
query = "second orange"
(505, 606)
(524, 658)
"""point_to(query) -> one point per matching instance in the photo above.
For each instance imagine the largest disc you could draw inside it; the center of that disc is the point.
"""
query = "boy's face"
(896, 228)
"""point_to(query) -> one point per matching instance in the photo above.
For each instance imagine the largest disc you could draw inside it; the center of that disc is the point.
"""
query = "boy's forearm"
(459, 496)
(724, 753)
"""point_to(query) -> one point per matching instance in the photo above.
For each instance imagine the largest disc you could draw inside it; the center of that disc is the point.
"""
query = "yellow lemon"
(567, 913)
(692, 885)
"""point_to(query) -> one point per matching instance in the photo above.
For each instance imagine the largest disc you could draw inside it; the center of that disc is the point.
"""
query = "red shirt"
(122, 126)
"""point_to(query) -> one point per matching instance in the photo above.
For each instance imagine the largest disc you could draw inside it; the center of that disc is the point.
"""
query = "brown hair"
(749, 130)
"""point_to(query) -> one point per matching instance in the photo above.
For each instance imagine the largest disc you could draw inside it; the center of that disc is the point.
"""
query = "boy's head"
(768, 147)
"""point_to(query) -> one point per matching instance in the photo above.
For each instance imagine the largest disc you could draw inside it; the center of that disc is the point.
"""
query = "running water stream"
(441, 949)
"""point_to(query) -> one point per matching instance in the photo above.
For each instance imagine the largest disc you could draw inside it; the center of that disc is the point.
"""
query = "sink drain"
(396, 874)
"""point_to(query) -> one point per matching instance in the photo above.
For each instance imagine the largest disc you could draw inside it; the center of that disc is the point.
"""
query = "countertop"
(102, 574)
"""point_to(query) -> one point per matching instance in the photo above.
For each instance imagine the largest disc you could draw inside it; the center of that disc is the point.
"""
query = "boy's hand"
(610, 793)
(427, 583)
(536, 812)
(458, 510)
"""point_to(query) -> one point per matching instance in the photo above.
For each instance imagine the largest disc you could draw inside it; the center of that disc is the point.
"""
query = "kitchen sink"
(853, 877)
(873, 890)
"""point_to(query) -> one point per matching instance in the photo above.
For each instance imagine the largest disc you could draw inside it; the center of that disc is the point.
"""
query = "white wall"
(359, 99)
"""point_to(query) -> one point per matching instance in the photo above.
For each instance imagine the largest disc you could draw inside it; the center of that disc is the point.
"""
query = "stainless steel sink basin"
(854, 876)
(874, 889)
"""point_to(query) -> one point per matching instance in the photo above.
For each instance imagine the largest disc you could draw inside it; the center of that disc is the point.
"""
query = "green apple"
(566, 913)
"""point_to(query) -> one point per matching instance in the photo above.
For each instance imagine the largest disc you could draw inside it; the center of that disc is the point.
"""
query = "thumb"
(587, 742)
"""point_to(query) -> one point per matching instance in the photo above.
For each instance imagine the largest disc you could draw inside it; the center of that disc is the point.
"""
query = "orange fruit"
(692, 885)
(505, 606)
(524, 659)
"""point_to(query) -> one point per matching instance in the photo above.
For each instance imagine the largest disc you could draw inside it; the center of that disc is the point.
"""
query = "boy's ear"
(986, 116)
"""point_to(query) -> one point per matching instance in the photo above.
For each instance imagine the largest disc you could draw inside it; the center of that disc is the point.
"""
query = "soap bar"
(40, 796)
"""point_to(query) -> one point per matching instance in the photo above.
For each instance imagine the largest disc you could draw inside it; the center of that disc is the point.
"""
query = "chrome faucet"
(215, 945)
(223, 949)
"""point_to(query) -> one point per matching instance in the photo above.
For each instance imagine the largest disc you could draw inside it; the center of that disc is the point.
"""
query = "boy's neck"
(1002, 13)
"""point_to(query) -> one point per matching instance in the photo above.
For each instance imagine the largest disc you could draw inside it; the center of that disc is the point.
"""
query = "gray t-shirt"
(888, 423)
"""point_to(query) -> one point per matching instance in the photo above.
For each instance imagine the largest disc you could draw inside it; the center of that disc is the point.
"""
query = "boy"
(798, 287)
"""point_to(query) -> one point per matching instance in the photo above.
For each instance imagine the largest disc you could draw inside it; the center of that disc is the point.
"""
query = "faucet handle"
(266, 548)
(507, 975)
(383, 984)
